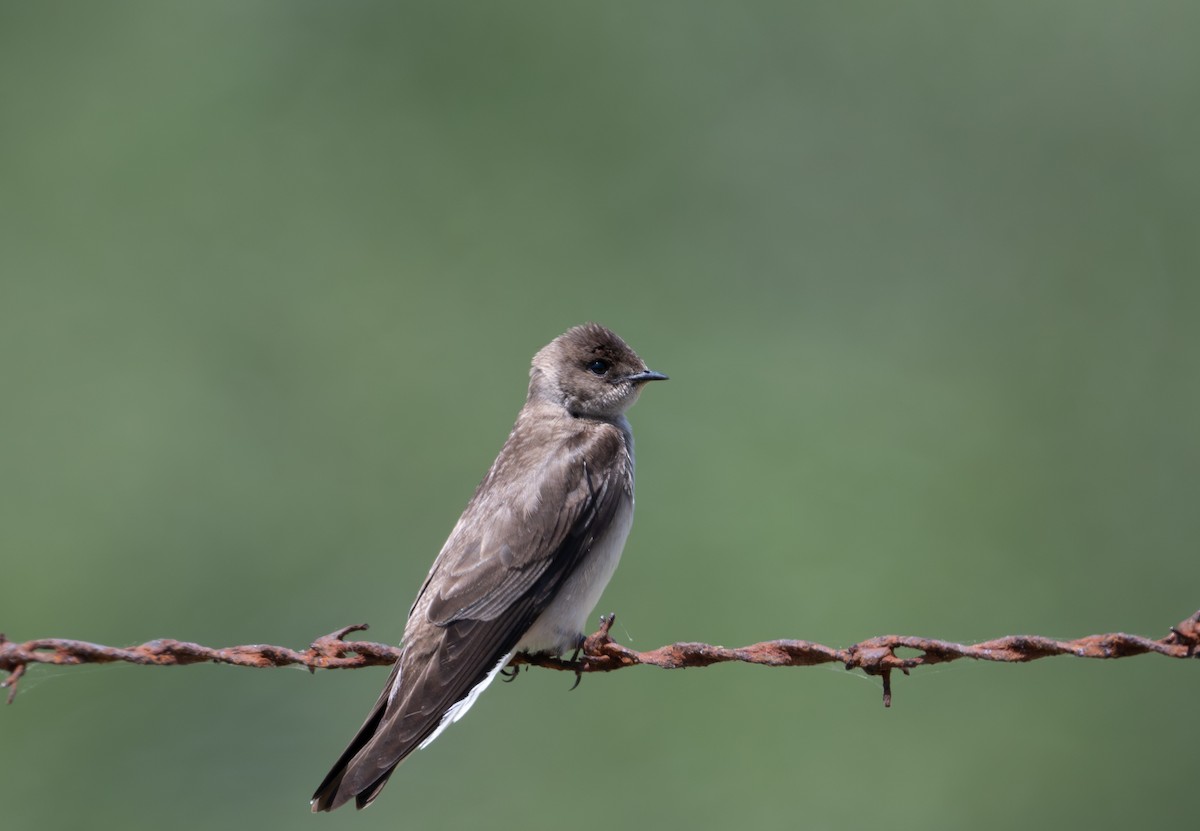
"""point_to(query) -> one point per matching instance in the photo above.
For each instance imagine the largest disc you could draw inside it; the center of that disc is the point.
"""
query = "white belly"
(565, 619)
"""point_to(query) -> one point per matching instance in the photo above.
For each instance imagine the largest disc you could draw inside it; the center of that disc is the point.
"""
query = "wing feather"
(531, 533)
(511, 550)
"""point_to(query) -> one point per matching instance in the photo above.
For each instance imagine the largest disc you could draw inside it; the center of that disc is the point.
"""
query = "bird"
(525, 564)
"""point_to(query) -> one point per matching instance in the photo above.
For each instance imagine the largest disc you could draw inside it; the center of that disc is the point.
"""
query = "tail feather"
(329, 794)
(366, 797)
(440, 683)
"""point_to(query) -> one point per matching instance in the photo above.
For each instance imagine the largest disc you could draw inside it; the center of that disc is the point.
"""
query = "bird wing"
(509, 553)
(519, 541)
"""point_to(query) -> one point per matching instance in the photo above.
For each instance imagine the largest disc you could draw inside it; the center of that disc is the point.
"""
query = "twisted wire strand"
(600, 653)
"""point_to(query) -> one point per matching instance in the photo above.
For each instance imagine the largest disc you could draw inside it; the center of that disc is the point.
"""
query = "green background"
(924, 276)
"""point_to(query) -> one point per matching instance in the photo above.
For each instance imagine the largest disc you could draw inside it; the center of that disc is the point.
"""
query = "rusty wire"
(600, 653)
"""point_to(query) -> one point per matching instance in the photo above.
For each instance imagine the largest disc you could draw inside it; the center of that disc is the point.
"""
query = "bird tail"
(330, 794)
(435, 694)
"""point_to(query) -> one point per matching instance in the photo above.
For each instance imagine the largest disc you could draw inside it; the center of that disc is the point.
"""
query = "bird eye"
(599, 367)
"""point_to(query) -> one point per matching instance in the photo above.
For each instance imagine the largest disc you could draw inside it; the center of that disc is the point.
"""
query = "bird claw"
(590, 644)
(574, 660)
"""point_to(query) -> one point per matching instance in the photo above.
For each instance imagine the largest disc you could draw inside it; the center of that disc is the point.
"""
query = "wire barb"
(600, 653)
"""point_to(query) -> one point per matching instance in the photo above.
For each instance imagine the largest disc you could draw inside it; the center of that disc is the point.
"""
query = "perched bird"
(526, 563)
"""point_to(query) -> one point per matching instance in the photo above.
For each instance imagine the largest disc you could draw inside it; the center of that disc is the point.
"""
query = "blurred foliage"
(924, 276)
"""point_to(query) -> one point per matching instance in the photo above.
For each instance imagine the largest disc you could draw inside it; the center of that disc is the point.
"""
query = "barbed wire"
(600, 653)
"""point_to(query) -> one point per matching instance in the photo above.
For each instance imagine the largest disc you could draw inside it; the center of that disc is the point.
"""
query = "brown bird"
(526, 563)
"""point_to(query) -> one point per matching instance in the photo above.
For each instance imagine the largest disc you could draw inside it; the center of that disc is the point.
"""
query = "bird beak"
(647, 375)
